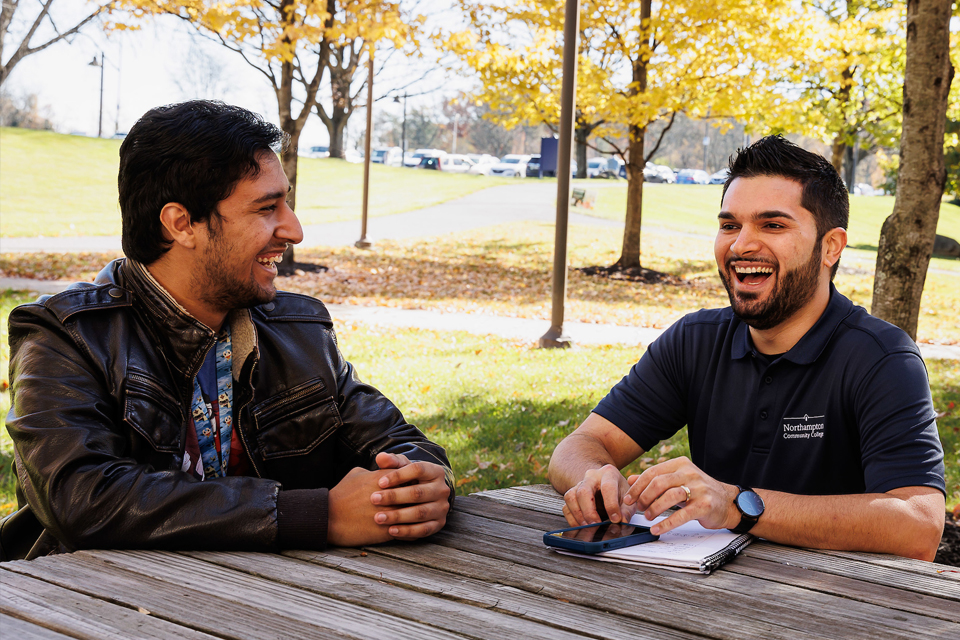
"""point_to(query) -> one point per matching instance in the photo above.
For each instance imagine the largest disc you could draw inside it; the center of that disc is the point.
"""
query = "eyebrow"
(275, 195)
(763, 215)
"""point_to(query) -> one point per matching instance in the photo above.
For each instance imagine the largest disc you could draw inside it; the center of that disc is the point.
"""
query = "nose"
(289, 229)
(747, 241)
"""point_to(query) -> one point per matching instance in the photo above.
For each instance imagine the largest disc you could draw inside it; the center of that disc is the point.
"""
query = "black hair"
(193, 153)
(824, 194)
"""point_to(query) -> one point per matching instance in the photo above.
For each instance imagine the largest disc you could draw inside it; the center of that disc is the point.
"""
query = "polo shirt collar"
(812, 344)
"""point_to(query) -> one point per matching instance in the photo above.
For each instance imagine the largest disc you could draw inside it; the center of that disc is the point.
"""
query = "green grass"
(59, 185)
(499, 407)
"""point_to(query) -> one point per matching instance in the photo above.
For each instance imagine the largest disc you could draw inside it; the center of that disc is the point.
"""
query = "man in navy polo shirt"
(810, 422)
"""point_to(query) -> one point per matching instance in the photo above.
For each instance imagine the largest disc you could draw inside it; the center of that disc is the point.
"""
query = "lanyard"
(206, 413)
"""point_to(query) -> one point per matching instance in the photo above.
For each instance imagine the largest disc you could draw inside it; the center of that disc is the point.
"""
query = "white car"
(595, 166)
(390, 156)
(353, 156)
(481, 164)
(511, 166)
(413, 159)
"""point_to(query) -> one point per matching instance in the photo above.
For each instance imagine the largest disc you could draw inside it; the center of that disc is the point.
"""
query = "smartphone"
(594, 538)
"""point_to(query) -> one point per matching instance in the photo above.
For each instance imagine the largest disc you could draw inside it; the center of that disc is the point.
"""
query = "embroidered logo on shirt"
(803, 427)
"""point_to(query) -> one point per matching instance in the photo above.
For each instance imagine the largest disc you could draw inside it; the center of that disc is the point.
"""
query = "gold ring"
(687, 489)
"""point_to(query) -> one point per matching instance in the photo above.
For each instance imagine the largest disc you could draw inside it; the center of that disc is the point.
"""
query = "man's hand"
(662, 486)
(414, 499)
(581, 499)
(403, 500)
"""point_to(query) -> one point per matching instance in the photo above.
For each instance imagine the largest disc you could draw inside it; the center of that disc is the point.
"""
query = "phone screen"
(603, 532)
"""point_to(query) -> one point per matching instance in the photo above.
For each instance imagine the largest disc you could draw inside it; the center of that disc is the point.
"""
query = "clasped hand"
(652, 492)
(402, 500)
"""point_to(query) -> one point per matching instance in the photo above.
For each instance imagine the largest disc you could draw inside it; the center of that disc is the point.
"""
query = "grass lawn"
(498, 406)
(75, 192)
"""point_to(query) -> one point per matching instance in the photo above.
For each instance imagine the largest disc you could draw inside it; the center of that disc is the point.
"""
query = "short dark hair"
(193, 153)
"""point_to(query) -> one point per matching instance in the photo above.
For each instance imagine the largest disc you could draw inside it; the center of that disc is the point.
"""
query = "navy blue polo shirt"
(846, 410)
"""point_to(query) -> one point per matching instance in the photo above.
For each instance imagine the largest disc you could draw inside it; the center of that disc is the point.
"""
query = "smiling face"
(768, 253)
(238, 250)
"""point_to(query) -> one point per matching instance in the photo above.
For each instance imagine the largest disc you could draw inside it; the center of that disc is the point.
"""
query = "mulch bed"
(949, 550)
(634, 274)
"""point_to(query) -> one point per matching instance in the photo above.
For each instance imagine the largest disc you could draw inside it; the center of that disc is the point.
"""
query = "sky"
(151, 67)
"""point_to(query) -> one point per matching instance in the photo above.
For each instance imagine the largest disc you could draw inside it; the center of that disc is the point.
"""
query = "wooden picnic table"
(486, 575)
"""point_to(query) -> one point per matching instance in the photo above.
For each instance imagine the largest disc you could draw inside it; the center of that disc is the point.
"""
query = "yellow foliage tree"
(289, 42)
(640, 62)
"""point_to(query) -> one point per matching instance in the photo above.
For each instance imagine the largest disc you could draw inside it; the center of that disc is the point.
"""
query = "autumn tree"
(845, 79)
(26, 27)
(289, 43)
(907, 235)
(640, 63)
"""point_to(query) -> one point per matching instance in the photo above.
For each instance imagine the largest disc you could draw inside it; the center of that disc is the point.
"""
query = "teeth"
(270, 261)
(746, 270)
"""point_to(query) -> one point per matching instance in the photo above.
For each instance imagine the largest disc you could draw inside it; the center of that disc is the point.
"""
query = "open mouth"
(752, 275)
(270, 261)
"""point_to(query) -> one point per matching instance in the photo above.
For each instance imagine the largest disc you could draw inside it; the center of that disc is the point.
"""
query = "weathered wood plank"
(791, 608)
(931, 585)
(904, 564)
(488, 594)
(612, 594)
(370, 593)
(538, 497)
(64, 611)
(881, 595)
(11, 627)
(253, 611)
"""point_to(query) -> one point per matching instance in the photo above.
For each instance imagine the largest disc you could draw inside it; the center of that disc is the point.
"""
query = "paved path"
(532, 200)
(514, 328)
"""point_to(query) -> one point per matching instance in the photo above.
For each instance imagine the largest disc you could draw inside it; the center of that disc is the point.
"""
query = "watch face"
(750, 503)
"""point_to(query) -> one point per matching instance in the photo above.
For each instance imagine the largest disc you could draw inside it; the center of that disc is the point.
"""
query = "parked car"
(482, 163)
(390, 156)
(693, 176)
(353, 156)
(533, 166)
(720, 176)
(413, 160)
(658, 173)
(864, 189)
(317, 152)
(454, 163)
(595, 166)
(511, 166)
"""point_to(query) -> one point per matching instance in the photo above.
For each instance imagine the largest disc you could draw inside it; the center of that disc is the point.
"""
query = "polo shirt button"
(768, 379)
(763, 415)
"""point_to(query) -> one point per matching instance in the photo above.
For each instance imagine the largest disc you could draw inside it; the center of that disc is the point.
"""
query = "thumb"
(391, 460)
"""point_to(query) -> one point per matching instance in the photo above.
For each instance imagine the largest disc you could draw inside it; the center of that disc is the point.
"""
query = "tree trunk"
(336, 126)
(630, 250)
(580, 135)
(907, 236)
(837, 150)
(849, 169)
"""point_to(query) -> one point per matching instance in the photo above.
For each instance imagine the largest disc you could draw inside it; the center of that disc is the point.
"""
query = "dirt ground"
(949, 550)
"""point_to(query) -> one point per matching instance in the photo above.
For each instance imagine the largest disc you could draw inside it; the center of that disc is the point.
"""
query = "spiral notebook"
(689, 547)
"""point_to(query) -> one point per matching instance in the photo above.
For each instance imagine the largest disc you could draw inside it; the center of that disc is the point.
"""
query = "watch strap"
(746, 520)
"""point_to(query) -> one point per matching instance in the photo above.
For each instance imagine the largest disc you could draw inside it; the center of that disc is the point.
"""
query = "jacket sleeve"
(372, 424)
(74, 458)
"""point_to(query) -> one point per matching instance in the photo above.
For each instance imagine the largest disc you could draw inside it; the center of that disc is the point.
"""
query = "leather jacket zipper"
(305, 392)
(159, 393)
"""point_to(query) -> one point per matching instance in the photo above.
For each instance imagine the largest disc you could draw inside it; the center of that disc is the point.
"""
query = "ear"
(834, 242)
(177, 226)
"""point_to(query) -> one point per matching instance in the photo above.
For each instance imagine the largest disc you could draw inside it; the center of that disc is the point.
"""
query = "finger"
(680, 517)
(413, 471)
(411, 532)
(639, 484)
(413, 514)
(672, 497)
(586, 499)
(610, 496)
(412, 494)
(572, 500)
(391, 460)
(568, 516)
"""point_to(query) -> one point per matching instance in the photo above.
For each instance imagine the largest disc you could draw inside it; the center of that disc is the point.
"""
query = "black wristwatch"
(750, 506)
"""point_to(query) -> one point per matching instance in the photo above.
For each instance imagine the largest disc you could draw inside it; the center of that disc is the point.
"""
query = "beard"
(792, 291)
(218, 284)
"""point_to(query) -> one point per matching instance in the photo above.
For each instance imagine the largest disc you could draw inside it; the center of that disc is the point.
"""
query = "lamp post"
(554, 337)
(99, 63)
(403, 131)
(363, 243)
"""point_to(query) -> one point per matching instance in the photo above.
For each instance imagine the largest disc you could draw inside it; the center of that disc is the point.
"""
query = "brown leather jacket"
(102, 377)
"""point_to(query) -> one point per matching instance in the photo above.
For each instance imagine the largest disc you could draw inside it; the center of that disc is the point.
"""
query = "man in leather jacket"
(180, 401)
